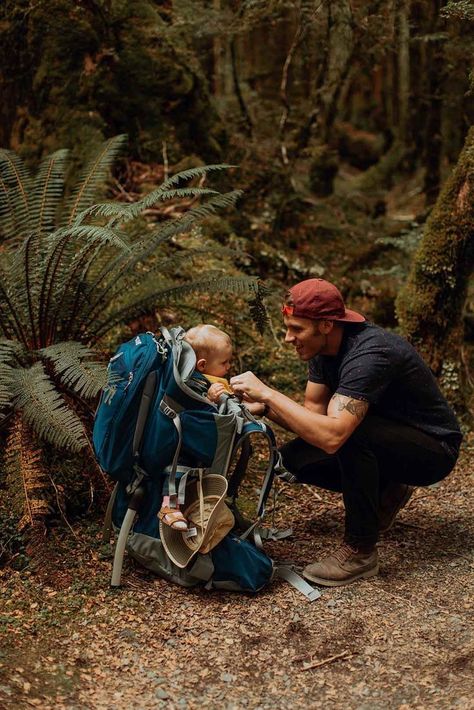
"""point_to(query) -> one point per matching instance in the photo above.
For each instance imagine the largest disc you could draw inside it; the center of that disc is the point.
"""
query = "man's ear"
(326, 326)
(201, 365)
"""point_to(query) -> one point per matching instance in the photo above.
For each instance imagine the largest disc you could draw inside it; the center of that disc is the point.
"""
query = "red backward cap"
(318, 299)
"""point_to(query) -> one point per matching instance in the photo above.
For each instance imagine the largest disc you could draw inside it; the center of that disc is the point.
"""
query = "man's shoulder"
(368, 336)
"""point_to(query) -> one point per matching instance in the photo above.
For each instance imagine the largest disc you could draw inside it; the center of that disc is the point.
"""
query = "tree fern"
(76, 368)
(48, 191)
(117, 211)
(73, 270)
(45, 410)
(26, 482)
(238, 286)
(93, 176)
(16, 186)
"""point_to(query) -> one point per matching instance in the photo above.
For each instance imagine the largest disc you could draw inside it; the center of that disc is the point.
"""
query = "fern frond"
(144, 281)
(145, 247)
(10, 350)
(126, 212)
(26, 479)
(67, 247)
(44, 409)
(48, 191)
(14, 202)
(94, 176)
(75, 367)
(258, 311)
(32, 272)
(6, 396)
(192, 173)
(238, 285)
(12, 296)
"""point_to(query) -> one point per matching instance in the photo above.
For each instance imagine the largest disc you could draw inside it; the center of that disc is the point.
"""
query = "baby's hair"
(202, 338)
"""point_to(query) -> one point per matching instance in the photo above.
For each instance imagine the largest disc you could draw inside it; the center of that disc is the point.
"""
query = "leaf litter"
(402, 640)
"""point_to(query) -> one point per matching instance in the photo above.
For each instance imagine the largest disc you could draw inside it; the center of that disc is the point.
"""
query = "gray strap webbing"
(167, 411)
(107, 527)
(166, 334)
(287, 573)
(269, 473)
(260, 534)
(145, 403)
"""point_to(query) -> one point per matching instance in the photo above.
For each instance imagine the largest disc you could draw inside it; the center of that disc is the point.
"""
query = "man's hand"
(250, 387)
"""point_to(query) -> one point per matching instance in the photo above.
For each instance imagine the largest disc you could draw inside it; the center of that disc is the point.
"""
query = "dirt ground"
(402, 640)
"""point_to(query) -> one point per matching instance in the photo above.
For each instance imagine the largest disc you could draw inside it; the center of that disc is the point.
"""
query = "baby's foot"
(173, 517)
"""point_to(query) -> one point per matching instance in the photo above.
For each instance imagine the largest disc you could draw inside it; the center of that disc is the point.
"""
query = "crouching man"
(374, 423)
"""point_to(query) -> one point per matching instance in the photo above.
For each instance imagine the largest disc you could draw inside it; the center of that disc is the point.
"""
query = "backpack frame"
(158, 425)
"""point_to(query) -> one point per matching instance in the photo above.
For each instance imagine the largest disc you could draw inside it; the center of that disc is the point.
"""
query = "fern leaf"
(141, 251)
(74, 365)
(127, 212)
(192, 173)
(16, 186)
(6, 397)
(26, 479)
(12, 298)
(10, 350)
(44, 409)
(258, 311)
(67, 248)
(48, 191)
(94, 176)
(239, 286)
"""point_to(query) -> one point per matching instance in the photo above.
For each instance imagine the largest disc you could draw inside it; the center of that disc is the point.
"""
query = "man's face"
(305, 335)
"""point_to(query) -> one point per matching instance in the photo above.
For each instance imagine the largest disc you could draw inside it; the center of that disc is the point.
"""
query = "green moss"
(430, 307)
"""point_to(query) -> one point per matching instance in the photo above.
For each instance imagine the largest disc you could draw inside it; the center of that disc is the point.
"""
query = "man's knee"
(298, 454)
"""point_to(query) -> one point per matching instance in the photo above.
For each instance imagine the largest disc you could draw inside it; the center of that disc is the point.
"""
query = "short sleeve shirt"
(383, 369)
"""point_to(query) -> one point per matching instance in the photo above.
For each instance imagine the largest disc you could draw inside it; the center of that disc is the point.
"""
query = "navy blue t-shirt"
(383, 369)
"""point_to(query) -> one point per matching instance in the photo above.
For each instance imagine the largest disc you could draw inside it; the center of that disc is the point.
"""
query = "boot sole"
(341, 583)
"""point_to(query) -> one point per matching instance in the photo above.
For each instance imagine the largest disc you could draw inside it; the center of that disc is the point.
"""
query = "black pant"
(378, 453)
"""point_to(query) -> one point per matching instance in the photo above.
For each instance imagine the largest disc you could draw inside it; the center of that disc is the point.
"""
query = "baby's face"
(219, 361)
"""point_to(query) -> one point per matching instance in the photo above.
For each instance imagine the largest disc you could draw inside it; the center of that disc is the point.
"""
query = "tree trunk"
(340, 46)
(436, 65)
(403, 31)
(430, 308)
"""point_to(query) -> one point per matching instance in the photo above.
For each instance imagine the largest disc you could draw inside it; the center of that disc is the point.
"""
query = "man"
(373, 425)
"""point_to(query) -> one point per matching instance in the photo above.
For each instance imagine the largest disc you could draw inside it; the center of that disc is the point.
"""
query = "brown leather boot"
(394, 498)
(344, 566)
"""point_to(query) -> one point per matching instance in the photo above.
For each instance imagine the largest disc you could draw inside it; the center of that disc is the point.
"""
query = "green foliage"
(458, 10)
(71, 271)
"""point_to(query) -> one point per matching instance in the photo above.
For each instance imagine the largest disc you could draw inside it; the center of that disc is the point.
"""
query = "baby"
(213, 350)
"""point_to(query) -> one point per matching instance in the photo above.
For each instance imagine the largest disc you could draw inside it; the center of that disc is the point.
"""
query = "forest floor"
(402, 640)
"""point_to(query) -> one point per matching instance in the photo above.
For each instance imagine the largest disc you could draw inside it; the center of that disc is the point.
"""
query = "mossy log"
(430, 307)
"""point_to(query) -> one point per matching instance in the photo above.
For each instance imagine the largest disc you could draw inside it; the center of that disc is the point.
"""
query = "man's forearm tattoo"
(357, 407)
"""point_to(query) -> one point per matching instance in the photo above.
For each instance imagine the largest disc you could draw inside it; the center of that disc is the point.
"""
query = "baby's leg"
(172, 516)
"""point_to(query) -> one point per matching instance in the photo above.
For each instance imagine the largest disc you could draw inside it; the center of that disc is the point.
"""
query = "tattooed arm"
(327, 431)
(357, 407)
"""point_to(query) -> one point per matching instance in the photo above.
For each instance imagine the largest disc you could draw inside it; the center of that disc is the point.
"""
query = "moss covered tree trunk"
(430, 308)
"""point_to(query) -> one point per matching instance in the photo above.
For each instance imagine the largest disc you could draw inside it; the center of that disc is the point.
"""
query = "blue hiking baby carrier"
(152, 425)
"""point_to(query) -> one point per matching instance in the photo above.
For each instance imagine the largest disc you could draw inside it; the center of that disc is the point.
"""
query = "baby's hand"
(215, 391)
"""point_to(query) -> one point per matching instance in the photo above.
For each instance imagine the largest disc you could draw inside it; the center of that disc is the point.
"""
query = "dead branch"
(318, 664)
